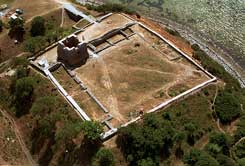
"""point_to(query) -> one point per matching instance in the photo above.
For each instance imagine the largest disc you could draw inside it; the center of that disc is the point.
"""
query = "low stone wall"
(110, 34)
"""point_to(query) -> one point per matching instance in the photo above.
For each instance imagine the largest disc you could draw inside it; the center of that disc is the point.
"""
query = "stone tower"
(72, 52)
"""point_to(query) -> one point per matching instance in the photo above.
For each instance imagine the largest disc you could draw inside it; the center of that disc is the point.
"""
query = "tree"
(240, 132)
(34, 44)
(43, 106)
(192, 132)
(21, 72)
(223, 141)
(16, 24)
(30, 45)
(70, 130)
(17, 28)
(148, 140)
(92, 130)
(104, 157)
(179, 137)
(225, 160)
(227, 107)
(241, 162)
(1, 25)
(147, 162)
(23, 95)
(38, 26)
(199, 158)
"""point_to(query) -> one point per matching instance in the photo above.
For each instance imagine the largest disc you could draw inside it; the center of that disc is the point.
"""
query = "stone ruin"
(72, 52)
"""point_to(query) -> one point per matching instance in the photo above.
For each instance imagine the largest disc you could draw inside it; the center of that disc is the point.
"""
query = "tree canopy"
(104, 157)
(38, 26)
(227, 107)
(199, 158)
(23, 95)
(92, 130)
(1, 25)
(148, 140)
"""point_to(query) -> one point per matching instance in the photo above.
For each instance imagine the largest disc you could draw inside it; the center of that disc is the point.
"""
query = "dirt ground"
(178, 41)
(97, 30)
(133, 76)
(34, 8)
(80, 96)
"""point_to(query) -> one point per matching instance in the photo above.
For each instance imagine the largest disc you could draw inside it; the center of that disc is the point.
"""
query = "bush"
(173, 32)
(213, 67)
(111, 7)
(147, 162)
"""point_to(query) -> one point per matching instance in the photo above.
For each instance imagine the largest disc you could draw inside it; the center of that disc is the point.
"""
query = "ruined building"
(72, 52)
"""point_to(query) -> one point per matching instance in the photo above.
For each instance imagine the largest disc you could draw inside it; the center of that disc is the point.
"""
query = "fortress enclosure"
(72, 52)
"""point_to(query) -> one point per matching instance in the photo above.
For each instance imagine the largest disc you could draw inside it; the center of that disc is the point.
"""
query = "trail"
(62, 17)
(240, 140)
(19, 138)
(212, 106)
(108, 84)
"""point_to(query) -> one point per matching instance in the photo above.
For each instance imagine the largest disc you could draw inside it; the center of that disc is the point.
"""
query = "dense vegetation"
(54, 125)
(43, 33)
(1, 25)
(111, 7)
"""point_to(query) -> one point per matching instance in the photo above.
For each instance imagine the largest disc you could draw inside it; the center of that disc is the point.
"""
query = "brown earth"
(178, 41)
(127, 78)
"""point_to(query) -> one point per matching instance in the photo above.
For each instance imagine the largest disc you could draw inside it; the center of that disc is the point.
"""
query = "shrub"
(173, 32)
(111, 7)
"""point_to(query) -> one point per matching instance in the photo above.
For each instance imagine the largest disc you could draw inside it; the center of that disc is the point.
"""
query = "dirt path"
(212, 107)
(62, 17)
(19, 138)
(240, 140)
(108, 84)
